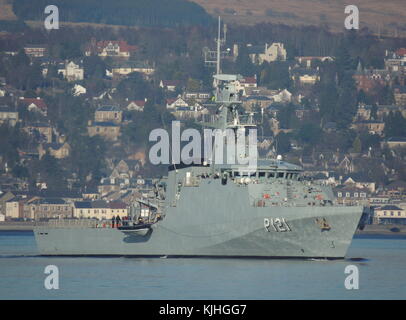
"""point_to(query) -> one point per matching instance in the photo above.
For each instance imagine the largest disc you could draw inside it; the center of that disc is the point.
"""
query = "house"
(126, 169)
(14, 208)
(363, 112)
(99, 209)
(351, 195)
(50, 208)
(57, 150)
(373, 127)
(192, 111)
(124, 68)
(109, 48)
(304, 76)
(4, 197)
(35, 51)
(8, 115)
(108, 114)
(395, 61)
(78, 90)
(107, 186)
(90, 194)
(197, 96)
(384, 110)
(389, 214)
(252, 102)
(282, 96)
(43, 131)
(358, 182)
(136, 105)
(108, 130)
(169, 85)
(71, 71)
(368, 80)
(396, 188)
(267, 53)
(175, 103)
(260, 91)
(394, 142)
(247, 82)
(399, 92)
(35, 104)
(309, 62)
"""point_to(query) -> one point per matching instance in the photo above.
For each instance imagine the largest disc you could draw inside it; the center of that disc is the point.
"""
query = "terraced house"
(99, 209)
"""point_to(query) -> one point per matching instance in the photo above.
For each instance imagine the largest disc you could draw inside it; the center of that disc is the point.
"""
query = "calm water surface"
(382, 269)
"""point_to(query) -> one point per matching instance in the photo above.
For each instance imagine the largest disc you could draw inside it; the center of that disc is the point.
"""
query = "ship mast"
(218, 46)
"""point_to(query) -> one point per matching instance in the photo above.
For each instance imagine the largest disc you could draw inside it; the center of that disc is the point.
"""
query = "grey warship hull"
(225, 226)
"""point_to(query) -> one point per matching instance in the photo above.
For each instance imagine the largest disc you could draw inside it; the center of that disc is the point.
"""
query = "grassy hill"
(386, 16)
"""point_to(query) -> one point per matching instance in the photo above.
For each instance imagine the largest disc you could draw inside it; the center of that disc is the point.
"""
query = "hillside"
(6, 10)
(386, 16)
(160, 13)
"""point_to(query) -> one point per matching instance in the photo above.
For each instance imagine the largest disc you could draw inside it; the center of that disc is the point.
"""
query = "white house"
(71, 71)
(274, 52)
(137, 105)
(169, 85)
(283, 96)
(78, 90)
(175, 103)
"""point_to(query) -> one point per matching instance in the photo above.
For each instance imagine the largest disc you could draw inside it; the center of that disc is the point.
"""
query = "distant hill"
(6, 10)
(165, 13)
(386, 16)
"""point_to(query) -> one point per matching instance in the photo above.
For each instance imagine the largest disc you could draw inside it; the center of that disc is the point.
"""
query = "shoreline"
(389, 229)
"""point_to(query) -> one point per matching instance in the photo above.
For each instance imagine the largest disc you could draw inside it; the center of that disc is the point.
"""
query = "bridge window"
(261, 174)
(281, 174)
(271, 174)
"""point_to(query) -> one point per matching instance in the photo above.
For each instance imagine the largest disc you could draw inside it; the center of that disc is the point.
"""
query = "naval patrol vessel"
(223, 210)
(207, 208)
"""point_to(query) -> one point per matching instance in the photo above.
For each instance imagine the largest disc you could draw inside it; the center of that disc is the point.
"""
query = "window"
(355, 194)
(363, 194)
(339, 194)
(347, 195)
(271, 175)
(280, 174)
(261, 174)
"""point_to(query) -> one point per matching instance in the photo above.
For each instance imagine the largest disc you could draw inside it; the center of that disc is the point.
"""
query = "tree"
(283, 143)
(357, 145)
(395, 125)
(275, 75)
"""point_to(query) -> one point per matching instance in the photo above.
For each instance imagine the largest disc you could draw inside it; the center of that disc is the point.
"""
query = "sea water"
(381, 263)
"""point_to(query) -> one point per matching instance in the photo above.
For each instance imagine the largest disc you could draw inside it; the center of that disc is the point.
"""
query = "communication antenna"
(218, 45)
